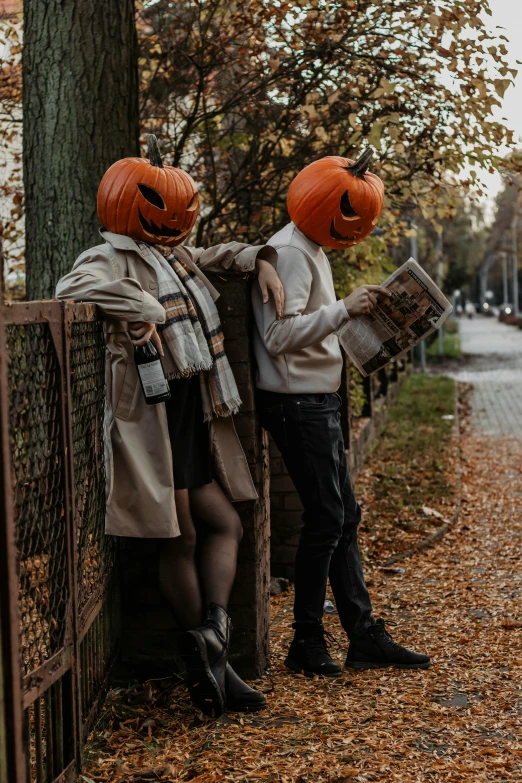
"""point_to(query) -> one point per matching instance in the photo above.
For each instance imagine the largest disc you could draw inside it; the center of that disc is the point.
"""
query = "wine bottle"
(152, 376)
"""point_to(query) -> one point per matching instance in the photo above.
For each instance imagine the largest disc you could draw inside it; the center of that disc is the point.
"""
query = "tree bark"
(80, 114)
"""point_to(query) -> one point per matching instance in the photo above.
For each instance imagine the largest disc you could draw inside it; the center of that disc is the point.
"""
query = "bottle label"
(153, 378)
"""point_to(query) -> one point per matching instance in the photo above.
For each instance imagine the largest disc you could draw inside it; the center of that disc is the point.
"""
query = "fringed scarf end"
(224, 411)
(195, 369)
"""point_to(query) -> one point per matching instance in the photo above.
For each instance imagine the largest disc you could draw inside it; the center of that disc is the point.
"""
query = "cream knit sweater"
(299, 354)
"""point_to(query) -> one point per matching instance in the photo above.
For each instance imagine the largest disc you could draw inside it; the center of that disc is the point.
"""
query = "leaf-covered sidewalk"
(458, 721)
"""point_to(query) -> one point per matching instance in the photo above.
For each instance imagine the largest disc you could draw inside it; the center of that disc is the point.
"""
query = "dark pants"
(306, 429)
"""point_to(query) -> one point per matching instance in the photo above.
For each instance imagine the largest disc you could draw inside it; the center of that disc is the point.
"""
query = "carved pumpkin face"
(336, 202)
(147, 200)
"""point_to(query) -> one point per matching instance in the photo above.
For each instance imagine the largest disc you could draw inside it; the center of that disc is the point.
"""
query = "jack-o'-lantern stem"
(360, 167)
(154, 153)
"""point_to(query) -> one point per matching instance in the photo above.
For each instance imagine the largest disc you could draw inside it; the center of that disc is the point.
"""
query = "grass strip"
(411, 467)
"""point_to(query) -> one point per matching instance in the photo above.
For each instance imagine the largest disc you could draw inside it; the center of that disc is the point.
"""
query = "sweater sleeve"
(295, 330)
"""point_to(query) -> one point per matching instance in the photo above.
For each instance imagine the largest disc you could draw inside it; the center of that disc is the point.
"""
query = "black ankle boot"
(308, 653)
(204, 651)
(239, 696)
(375, 649)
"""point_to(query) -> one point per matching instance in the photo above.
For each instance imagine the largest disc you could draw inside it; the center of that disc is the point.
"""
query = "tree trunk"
(80, 114)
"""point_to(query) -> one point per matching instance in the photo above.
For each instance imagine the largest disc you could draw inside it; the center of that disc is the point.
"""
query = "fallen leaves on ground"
(458, 722)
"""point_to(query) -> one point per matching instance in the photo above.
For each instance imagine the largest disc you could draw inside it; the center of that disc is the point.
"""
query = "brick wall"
(250, 600)
(148, 628)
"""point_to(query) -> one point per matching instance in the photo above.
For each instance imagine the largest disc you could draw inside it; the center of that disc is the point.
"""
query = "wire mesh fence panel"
(42, 525)
(48, 729)
(95, 550)
(39, 490)
(96, 655)
(56, 400)
(95, 554)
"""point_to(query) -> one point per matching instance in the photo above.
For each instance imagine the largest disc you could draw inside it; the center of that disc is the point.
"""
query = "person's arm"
(231, 256)
(296, 330)
(93, 279)
(242, 258)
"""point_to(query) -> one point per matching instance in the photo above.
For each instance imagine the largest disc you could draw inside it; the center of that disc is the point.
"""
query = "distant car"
(507, 313)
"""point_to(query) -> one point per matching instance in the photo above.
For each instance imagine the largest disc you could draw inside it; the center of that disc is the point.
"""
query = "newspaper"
(415, 309)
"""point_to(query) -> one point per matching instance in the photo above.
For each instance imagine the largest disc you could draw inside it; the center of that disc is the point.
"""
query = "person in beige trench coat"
(121, 277)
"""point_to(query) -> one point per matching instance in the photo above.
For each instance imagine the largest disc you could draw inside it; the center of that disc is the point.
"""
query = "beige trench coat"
(118, 276)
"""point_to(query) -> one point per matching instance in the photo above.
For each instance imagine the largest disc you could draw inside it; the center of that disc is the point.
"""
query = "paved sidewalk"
(494, 368)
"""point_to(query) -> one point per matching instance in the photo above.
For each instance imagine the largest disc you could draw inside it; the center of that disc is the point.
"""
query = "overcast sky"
(508, 14)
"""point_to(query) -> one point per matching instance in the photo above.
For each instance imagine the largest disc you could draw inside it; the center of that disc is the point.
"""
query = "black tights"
(198, 567)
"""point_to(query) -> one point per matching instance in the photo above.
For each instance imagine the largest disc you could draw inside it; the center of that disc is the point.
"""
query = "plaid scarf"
(193, 335)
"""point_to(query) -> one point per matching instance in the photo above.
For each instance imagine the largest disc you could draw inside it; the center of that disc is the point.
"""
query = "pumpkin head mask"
(145, 200)
(336, 202)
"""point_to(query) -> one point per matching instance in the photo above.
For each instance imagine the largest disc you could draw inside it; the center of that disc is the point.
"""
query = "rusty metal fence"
(53, 390)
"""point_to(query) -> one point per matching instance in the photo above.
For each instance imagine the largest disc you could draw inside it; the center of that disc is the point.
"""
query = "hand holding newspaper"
(416, 308)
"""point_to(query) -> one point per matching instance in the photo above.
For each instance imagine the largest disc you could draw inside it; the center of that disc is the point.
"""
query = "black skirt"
(189, 436)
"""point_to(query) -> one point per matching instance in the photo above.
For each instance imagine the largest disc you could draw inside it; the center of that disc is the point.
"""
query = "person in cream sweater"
(299, 365)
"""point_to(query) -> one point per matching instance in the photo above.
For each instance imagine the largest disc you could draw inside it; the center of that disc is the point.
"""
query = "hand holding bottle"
(142, 332)
(147, 352)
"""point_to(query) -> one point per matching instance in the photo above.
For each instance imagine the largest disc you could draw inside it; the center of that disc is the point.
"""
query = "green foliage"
(357, 395)
(462, 237)
(421, 403)
(451, 326)
(451, 348)
(364, 263)
(411, 460)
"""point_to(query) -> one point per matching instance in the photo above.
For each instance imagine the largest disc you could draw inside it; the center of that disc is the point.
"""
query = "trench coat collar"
(122, 242)
(119, 241)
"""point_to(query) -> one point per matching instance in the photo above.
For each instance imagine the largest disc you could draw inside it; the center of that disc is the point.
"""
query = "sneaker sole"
(368, 665)
(203, 687)
(298, 670)
(246, 707)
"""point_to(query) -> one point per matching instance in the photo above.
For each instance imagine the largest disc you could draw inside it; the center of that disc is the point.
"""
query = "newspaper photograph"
(416, 308)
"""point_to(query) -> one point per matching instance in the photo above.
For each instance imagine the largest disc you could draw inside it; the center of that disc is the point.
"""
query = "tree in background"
(246, 94)
(499, 234)
(462, 236)
(463, 243)
(243, 95)
(80, 114)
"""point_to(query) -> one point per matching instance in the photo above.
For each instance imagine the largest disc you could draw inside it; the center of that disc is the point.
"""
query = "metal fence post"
(440, 270)
(415, 255)
(12, 760)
